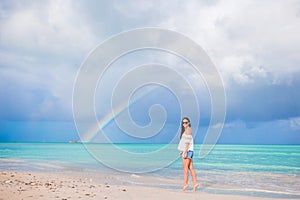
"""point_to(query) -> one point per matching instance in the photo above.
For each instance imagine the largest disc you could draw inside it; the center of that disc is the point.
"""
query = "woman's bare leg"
(185, 165)
(194, 176)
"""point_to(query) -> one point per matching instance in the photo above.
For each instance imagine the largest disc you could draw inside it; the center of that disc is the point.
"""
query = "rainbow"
(93, 131)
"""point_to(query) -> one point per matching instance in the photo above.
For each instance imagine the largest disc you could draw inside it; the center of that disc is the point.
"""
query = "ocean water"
(257, 170)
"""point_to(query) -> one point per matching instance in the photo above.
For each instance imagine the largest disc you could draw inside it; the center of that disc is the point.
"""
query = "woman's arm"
(186, 149)
(187, 146)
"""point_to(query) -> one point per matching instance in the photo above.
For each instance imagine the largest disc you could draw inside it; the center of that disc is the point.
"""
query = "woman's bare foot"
(195, 186)
(185, 187)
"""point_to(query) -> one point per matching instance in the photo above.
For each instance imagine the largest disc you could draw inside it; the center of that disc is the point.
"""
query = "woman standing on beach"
(186, 148)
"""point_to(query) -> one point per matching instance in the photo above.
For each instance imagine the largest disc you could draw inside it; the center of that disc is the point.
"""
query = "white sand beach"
(44, 185)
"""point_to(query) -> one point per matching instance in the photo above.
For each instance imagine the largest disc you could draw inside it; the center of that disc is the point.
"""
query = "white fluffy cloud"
(52, 27)
(246, 39)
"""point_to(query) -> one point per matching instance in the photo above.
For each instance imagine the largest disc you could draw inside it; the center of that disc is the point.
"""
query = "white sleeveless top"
(186, 138)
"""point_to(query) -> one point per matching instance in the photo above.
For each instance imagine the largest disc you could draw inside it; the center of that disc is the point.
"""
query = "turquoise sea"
(258, 170)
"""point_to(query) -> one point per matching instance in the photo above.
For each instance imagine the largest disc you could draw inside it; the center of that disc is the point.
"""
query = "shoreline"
(84, 185)
(237, 171)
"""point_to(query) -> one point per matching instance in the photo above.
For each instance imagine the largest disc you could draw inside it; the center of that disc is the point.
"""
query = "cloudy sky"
(255, 46)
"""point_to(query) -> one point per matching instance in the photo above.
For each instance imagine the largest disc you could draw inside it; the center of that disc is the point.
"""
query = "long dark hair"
(182, 128)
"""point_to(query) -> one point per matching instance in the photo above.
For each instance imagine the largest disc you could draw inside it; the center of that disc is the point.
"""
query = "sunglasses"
(185, 122)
